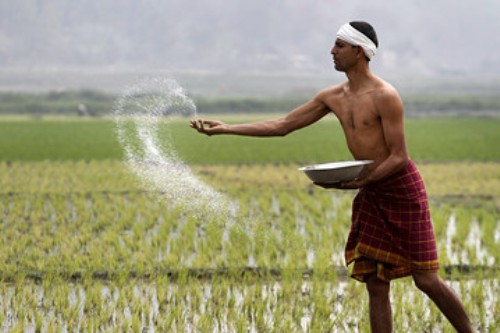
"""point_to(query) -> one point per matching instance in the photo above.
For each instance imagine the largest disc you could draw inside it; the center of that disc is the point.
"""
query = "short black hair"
(366, 29)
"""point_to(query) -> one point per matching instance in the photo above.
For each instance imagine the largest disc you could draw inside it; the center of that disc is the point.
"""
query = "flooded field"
(86, 249)
(228, 305)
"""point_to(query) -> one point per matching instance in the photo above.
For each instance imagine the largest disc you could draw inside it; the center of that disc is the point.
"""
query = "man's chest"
(357, 113)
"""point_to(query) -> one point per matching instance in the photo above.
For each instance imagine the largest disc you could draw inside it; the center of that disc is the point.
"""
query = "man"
(391, 234)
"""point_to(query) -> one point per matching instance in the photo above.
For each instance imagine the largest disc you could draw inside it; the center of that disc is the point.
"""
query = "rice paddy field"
(87, 248)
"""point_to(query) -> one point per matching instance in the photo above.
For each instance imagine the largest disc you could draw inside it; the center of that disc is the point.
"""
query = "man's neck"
(359, 77)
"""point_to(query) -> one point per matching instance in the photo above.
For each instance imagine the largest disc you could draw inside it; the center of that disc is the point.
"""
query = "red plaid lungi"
(391, 232)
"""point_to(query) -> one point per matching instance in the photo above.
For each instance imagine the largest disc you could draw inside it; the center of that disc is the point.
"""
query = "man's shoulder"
(386, 88)
(385, 92)
(331, 91)
(387, 100)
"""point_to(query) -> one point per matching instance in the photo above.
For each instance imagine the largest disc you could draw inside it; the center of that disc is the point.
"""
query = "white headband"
(353, 36)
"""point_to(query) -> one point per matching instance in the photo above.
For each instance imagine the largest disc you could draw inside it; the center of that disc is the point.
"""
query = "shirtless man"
(390, 211)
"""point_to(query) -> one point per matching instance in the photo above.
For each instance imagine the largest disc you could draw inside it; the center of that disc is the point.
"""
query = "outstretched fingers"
(197, 124)
(205, 126)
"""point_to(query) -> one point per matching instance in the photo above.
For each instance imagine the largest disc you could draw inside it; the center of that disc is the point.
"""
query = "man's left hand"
(349, 185)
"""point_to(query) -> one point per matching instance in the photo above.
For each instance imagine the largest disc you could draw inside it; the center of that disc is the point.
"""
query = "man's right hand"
(214, 126)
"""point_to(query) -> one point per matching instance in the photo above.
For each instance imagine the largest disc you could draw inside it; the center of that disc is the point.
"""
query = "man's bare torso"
(361, 119)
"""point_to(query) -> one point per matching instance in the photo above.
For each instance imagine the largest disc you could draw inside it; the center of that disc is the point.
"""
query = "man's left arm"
(390, 108)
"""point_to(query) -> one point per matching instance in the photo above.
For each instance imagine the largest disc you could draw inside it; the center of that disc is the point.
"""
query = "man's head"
(357, 34)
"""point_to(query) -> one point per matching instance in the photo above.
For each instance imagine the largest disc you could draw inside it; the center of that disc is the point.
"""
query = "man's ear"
(360, 53)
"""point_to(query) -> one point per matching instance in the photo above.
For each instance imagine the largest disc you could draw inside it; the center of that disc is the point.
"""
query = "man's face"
(344, 55)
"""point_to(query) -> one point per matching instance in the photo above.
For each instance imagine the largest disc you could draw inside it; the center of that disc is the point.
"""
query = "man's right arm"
(300, 117)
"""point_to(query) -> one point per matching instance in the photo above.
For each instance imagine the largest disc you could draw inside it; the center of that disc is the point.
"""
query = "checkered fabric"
(391, 232)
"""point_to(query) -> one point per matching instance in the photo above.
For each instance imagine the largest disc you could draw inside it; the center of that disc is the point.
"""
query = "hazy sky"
(426, 37)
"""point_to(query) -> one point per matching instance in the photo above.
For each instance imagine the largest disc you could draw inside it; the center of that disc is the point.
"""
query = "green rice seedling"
(241, 322)
(494, 324)
(490, 235)
(126, 325)
(205, 323)
(238, 252)
(3, 317)
(321, 307)
(171, 317)
(136, 324)
(39, 321)
(280, 318)
(93, 297)
(259, 316)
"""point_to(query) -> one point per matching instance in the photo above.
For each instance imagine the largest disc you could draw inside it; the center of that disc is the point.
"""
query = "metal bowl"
(335, 172)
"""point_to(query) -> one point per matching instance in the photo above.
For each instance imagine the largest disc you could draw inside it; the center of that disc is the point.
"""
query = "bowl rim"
(335, 165)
